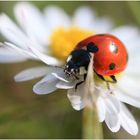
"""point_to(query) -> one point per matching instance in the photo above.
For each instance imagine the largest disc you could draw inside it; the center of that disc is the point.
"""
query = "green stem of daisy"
(92, 128)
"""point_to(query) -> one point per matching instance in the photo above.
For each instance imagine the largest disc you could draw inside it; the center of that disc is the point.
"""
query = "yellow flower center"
(64, 40)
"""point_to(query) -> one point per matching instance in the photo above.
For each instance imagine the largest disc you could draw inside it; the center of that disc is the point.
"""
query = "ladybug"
(110, 57)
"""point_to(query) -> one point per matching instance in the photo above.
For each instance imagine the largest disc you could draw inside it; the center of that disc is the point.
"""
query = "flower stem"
(92, 128)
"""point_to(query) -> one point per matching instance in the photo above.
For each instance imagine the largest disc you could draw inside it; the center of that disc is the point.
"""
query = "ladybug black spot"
(91, 47)
(112, 66)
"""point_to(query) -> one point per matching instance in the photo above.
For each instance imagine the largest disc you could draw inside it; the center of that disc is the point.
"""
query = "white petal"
(127, 121)
(32, 21)
(31, 73)
(133, 67)
(61, 77)
(76, 97)
(89, 82)
(56, 17)
(49, 60)
(101, 109)
(83, 18)
(22, 51)
(11, 32)
(65, 85)
(132, 45)
(78, 107)
(112, 103)
(124, 97)
(46, 85)
(10, 56)
(112, 110)
(112, 121)
(129, 85)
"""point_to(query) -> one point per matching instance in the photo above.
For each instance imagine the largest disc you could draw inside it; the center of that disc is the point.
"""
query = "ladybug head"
(78, 60)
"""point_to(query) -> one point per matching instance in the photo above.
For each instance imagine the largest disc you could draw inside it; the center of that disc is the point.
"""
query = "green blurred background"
(24, 114)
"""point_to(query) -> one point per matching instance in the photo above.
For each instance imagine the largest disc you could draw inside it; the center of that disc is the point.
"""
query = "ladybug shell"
(111, 57)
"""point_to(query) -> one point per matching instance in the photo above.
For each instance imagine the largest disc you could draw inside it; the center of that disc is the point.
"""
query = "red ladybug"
(110, 56)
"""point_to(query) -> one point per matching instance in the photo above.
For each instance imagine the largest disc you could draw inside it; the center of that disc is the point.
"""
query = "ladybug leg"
(113, 78)
(76, 86)
(114, 81)
(108, 87)
(100, 76)
(107, 81)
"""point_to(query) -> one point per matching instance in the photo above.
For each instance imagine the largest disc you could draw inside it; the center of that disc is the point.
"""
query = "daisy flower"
(50, 38)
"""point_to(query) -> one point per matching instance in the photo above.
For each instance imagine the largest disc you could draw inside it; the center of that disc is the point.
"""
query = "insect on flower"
(110, 57)
(95, 72)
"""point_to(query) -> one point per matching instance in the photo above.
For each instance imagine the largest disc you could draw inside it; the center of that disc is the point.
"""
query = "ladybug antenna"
(91, 47)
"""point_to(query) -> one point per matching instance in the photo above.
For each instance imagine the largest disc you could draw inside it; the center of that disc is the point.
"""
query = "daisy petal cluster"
(49, 37)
